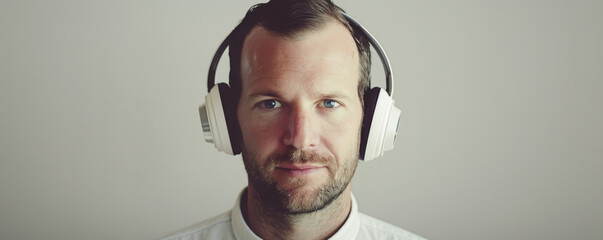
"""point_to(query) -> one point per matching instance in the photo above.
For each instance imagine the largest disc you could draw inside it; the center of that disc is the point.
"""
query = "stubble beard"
(294, 199)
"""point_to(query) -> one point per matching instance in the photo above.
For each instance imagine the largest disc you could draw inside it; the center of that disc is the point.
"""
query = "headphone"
(379, 126)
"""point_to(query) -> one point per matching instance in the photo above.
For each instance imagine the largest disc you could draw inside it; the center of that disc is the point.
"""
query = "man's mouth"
(298, 170)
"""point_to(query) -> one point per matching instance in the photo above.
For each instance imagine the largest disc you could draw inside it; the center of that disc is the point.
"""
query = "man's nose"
(302, 130)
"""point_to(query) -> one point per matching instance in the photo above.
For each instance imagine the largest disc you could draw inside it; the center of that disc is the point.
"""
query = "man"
(299, 76)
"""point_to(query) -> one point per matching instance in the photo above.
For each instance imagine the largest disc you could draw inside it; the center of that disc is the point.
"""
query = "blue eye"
(329, 103)
(271, 104)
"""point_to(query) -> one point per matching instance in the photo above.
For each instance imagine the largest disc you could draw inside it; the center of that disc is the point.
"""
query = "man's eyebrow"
(336, 95)
(265, 93)
(326, 95)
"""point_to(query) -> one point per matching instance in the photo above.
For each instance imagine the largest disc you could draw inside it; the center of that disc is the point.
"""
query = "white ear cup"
(213, 120)
(384, 127)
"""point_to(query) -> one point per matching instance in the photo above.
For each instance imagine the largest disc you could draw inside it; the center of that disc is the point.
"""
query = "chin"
(308, 199)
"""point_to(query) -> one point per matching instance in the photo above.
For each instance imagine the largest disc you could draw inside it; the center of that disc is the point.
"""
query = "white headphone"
(379, 126)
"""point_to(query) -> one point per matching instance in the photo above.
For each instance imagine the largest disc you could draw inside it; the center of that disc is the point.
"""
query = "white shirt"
(231, 225)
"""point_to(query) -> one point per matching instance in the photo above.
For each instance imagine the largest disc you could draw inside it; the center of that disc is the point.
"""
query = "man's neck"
(321, 224)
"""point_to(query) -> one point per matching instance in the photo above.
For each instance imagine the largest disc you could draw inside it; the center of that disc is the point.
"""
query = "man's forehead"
(326, 33)
(301, 31)
(332, 41)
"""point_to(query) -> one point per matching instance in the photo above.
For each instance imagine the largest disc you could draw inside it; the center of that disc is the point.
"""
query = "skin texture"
(300, 118)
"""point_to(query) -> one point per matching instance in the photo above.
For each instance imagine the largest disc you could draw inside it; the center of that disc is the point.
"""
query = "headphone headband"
(389, 87)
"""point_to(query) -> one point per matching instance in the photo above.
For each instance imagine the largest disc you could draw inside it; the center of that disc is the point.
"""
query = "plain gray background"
(501, 136)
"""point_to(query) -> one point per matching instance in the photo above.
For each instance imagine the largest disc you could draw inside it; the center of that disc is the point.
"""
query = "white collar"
(349, 230)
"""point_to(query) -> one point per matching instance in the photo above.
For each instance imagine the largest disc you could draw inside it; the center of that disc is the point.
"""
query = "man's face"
(300, 116)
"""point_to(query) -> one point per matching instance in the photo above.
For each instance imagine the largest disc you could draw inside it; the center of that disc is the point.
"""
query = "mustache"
(301, 156)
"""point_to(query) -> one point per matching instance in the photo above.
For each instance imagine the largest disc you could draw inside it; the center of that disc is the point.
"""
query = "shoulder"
(373, 228)
(218, 227)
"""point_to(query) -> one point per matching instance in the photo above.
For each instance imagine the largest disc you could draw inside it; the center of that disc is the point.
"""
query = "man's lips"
(293, 166)
(297, 170)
